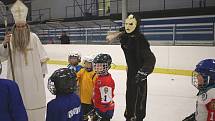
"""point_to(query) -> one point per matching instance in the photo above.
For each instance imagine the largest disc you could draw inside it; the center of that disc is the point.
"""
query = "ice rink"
(170, 97)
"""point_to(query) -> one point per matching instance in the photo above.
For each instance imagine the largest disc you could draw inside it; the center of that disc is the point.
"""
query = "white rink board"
(172, 57)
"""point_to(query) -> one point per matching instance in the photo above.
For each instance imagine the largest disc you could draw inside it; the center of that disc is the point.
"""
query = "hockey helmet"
(204, 74)
(102, 63)
(88, 63)
(62, 81)
(75, 55)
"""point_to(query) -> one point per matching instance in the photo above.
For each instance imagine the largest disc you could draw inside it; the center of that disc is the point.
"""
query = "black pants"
(136, 96)
(87, 110)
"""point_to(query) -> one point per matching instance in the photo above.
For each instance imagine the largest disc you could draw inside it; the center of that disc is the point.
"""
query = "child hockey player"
(11, 104)
(66, 106)
(74, 59)
(86, 80)
(203, 78)
(103, 92)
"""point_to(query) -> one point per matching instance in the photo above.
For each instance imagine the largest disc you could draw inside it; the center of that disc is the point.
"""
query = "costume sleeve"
(42, 53)
(44, 68)
(148, 59)
(16, 105)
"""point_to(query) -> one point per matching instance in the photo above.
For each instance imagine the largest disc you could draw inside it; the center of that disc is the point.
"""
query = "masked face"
(130, 24)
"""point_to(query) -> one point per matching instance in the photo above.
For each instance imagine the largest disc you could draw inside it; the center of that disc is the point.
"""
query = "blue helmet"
(205, 68)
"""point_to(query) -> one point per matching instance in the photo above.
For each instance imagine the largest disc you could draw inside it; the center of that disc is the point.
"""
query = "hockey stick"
(3, 12)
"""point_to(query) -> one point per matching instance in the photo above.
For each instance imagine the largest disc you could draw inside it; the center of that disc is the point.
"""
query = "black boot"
(131, 119)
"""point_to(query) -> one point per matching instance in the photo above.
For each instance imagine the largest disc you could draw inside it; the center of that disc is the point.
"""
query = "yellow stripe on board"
(122, 67)
(58, 62)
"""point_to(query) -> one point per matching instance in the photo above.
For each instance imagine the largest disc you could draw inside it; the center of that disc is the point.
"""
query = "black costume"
(140, 61)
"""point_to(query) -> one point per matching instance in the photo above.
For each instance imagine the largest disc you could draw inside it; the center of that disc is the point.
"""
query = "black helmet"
(102, 63)
(62, 81)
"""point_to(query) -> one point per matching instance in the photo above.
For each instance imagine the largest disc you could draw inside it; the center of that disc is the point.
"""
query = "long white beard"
(20, 39)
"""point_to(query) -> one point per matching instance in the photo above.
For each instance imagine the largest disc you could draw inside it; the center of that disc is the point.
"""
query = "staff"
(4, 14)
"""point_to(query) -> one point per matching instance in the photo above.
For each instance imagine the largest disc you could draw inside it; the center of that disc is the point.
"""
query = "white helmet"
(88, 59)
(75, 54)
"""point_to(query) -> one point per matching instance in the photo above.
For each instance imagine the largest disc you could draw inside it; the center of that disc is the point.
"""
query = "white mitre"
(19, 11)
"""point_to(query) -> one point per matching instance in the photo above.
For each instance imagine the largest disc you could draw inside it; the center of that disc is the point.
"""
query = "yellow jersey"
(86, 81)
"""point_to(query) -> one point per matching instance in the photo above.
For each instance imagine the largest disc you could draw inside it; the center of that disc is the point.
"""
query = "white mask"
(130, 24)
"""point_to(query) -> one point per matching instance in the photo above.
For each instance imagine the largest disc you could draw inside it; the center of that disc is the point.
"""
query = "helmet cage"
(195, 80)
(101, 68)
(75, 56)
(62, 81)
(51, 86)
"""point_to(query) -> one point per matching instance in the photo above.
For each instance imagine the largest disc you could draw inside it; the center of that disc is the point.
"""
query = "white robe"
(29, 77)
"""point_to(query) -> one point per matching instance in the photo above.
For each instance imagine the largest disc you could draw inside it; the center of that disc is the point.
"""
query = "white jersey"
(203, 112)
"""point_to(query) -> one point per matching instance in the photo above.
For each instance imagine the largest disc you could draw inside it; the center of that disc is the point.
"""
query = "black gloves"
(141, 75)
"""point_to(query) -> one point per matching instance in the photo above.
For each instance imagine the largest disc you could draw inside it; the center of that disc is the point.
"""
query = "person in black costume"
(140, 63)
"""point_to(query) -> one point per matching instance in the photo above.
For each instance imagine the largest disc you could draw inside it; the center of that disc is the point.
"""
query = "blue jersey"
(11, 104)
(64, 108)
(75, 68)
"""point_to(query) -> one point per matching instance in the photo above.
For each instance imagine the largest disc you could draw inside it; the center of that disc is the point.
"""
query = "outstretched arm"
(113, 36)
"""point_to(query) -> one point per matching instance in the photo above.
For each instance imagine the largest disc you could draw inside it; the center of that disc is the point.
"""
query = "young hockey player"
(11, 104)
(103, 92)
(66, 106)
(203, 78)
(74, 59)
(86, 80)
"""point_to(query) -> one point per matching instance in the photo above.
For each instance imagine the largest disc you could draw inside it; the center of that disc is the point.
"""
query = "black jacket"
(64, 40)
(137, 53)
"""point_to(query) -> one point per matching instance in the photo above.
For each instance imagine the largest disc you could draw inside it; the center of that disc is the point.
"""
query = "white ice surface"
(170, 97)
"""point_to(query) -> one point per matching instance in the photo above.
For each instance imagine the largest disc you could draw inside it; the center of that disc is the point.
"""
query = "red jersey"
(103, 93)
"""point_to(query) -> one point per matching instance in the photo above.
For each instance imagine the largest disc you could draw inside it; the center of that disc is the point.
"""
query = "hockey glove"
(141, 75)
(97, 116)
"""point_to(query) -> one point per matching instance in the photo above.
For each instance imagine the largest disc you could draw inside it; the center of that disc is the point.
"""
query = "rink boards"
(179, 60)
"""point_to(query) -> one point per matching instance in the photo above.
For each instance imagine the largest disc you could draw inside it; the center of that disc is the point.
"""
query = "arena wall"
(179, 60)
